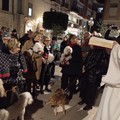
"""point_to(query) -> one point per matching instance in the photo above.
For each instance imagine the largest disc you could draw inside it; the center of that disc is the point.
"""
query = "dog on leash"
(58, 98)
(2, 90)
(17, 110)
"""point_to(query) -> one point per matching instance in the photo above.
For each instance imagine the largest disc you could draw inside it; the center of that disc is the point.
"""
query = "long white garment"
(109, 108)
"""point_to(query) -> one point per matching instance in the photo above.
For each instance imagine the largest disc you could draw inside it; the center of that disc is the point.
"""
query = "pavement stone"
(40, 111)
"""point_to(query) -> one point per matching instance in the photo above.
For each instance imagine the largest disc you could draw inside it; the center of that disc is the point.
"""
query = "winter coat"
(96, 64)
(63, 45)
(28, 44)
(75, 66)
(10, 64)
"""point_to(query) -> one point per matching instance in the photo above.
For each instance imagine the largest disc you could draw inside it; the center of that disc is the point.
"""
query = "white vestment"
(109, 108)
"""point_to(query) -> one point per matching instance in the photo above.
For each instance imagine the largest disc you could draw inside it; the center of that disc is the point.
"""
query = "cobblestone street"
(40, 111)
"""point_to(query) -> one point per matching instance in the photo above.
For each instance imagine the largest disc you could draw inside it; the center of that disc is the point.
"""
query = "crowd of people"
(27, 66)
(29, 62)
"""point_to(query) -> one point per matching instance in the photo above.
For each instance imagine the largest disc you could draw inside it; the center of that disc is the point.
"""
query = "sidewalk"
(40, 111)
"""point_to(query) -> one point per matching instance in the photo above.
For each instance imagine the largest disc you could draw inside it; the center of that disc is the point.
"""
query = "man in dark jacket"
(95, 65)
(72, 71)
(63, 44)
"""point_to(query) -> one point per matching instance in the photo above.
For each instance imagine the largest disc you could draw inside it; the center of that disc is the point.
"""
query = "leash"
(13, 89)
(67, 89)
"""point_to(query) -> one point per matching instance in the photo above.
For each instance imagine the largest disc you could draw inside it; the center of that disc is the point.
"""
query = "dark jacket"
(63, 45)
(96, 64)
(75, 66)
(1, 42)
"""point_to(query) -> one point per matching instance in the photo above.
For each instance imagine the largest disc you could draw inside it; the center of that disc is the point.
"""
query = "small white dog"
(66, 55)
(50, 57)
(38, 47)
(2, 90)
(17, 109)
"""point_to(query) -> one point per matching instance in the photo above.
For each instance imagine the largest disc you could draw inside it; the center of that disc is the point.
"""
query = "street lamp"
(90, 23)
(82, 30)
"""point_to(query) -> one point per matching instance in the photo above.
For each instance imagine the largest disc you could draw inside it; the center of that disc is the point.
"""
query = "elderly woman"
(31, 54)
(72, 71)
(12, 63)
(47, 65)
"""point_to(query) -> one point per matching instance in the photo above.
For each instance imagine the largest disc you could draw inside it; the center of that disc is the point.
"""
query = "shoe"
(41, 91)
(48, 90)
(81, 102)
(76, 91)
(87, 107)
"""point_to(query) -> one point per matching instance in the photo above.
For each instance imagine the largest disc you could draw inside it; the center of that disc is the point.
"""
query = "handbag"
(32, 65)
(31, 62)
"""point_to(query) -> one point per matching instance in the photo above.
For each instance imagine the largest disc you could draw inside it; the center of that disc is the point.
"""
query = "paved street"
(40, 111)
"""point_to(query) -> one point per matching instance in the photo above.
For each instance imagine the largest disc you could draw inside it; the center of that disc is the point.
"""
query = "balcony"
(65, 5)
(55, 1)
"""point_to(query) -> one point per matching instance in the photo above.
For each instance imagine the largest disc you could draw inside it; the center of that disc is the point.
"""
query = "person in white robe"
(109, 108)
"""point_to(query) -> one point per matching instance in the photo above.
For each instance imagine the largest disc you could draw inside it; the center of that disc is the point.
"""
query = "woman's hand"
(44, 60)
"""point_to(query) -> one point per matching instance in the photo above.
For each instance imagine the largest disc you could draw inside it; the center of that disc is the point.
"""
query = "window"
(113, 11)
(100, 10)
(30, 9)
(5, 5)
(114, 5)
(19, 6)
(114, 1)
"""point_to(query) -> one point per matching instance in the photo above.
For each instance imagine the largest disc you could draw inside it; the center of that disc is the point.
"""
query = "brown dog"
(58, 98)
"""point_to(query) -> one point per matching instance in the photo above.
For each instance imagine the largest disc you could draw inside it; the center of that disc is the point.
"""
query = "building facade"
(24, 15)
(80, 13)
(111, 12)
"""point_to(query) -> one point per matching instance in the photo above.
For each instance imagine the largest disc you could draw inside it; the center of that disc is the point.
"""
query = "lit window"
(100, 10)
(30, 9)
(30, 12)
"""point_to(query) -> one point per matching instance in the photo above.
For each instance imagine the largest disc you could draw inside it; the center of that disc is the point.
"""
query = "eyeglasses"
(5, 39)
